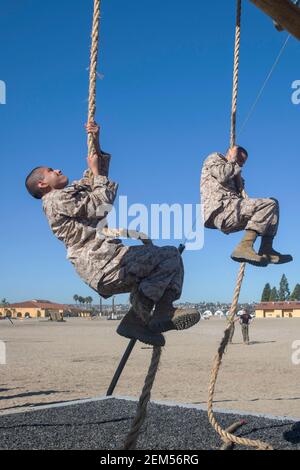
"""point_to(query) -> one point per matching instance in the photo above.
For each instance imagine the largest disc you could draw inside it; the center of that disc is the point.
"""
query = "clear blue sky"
(164, 104)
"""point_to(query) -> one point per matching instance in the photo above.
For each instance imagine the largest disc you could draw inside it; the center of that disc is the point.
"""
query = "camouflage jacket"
(221, 181)
(74, 214)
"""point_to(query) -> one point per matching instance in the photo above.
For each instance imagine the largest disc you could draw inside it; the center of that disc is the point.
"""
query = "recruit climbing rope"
(93, 72)
(131, 439)
(225, 435)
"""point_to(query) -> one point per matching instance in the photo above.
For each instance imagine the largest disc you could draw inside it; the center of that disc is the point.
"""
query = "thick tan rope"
(146, 393)
(226, 436)
(236, 72)
(93, 71)
(131, 440)
(227, 445)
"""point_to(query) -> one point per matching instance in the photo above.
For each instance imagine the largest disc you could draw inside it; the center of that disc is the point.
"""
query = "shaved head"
(32, 180)
(43, 179)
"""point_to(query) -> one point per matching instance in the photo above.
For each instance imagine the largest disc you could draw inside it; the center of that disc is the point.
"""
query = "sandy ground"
(51, 362)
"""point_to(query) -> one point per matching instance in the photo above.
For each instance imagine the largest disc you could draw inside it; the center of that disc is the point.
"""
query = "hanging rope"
(132, 437)
(131, 440)
(93, 72)
(146, 393)
(92, 113)
(226, 436)
(236, 73)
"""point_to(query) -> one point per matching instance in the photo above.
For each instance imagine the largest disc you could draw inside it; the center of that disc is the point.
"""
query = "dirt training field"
(52, 362)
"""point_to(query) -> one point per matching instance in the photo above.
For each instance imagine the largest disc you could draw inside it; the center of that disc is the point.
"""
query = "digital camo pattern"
(225, 208)
(101, 260)
(153, 269)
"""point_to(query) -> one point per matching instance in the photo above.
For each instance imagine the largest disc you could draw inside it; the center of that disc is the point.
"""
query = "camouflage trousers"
(245, 333)
(260, 215)
(232, 331)
(149, 268)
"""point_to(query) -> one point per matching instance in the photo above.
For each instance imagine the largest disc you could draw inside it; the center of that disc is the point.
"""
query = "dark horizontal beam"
(284, 12)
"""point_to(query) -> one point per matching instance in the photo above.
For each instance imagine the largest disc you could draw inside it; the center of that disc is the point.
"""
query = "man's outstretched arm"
(73, 203)
(223, 171)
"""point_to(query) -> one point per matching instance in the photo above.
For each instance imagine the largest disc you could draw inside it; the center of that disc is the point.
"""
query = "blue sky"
(164, 104)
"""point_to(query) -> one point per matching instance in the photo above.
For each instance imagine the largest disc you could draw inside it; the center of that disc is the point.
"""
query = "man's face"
(237, 155)
(241, 158)
(53, 179)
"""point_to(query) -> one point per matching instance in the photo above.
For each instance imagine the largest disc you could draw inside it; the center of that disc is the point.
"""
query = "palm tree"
(5, 304)
(90, 301)
(75, 298)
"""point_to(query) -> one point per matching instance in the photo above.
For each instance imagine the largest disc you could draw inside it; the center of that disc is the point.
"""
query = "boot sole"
(288, 260)
(182, 322)
(281, 262)
(158, 341)
(258, 264)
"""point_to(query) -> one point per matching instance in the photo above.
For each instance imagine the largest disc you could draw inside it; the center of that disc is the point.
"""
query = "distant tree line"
(4, 303)
(83, 300)
(281, 294)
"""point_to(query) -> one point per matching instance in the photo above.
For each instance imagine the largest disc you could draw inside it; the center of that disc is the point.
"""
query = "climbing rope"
(131, 440)
(225, 435)
(93, 72)
(92, 113)
(132, 437)
(237, 48)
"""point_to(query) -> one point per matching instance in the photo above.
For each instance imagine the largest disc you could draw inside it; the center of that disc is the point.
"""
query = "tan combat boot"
(245, 253)
(133, 327)
(166, 317)
(266, 249)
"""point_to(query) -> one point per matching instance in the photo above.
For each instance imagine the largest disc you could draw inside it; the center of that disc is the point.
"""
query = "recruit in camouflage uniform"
(153, 275)
(227, 210)
(104, 263)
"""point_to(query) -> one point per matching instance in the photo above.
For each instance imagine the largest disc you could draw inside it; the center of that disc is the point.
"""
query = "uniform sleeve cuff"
(104, 181)
(101, 180)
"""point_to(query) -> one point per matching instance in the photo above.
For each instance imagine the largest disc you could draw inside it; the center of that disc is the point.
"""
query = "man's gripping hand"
(93, 128)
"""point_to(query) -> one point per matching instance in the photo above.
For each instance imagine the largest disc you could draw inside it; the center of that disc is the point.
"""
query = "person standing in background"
(245, 320)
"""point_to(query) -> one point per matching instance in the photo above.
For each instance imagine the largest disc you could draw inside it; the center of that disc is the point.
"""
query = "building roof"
(277, 306)
(41, 304)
